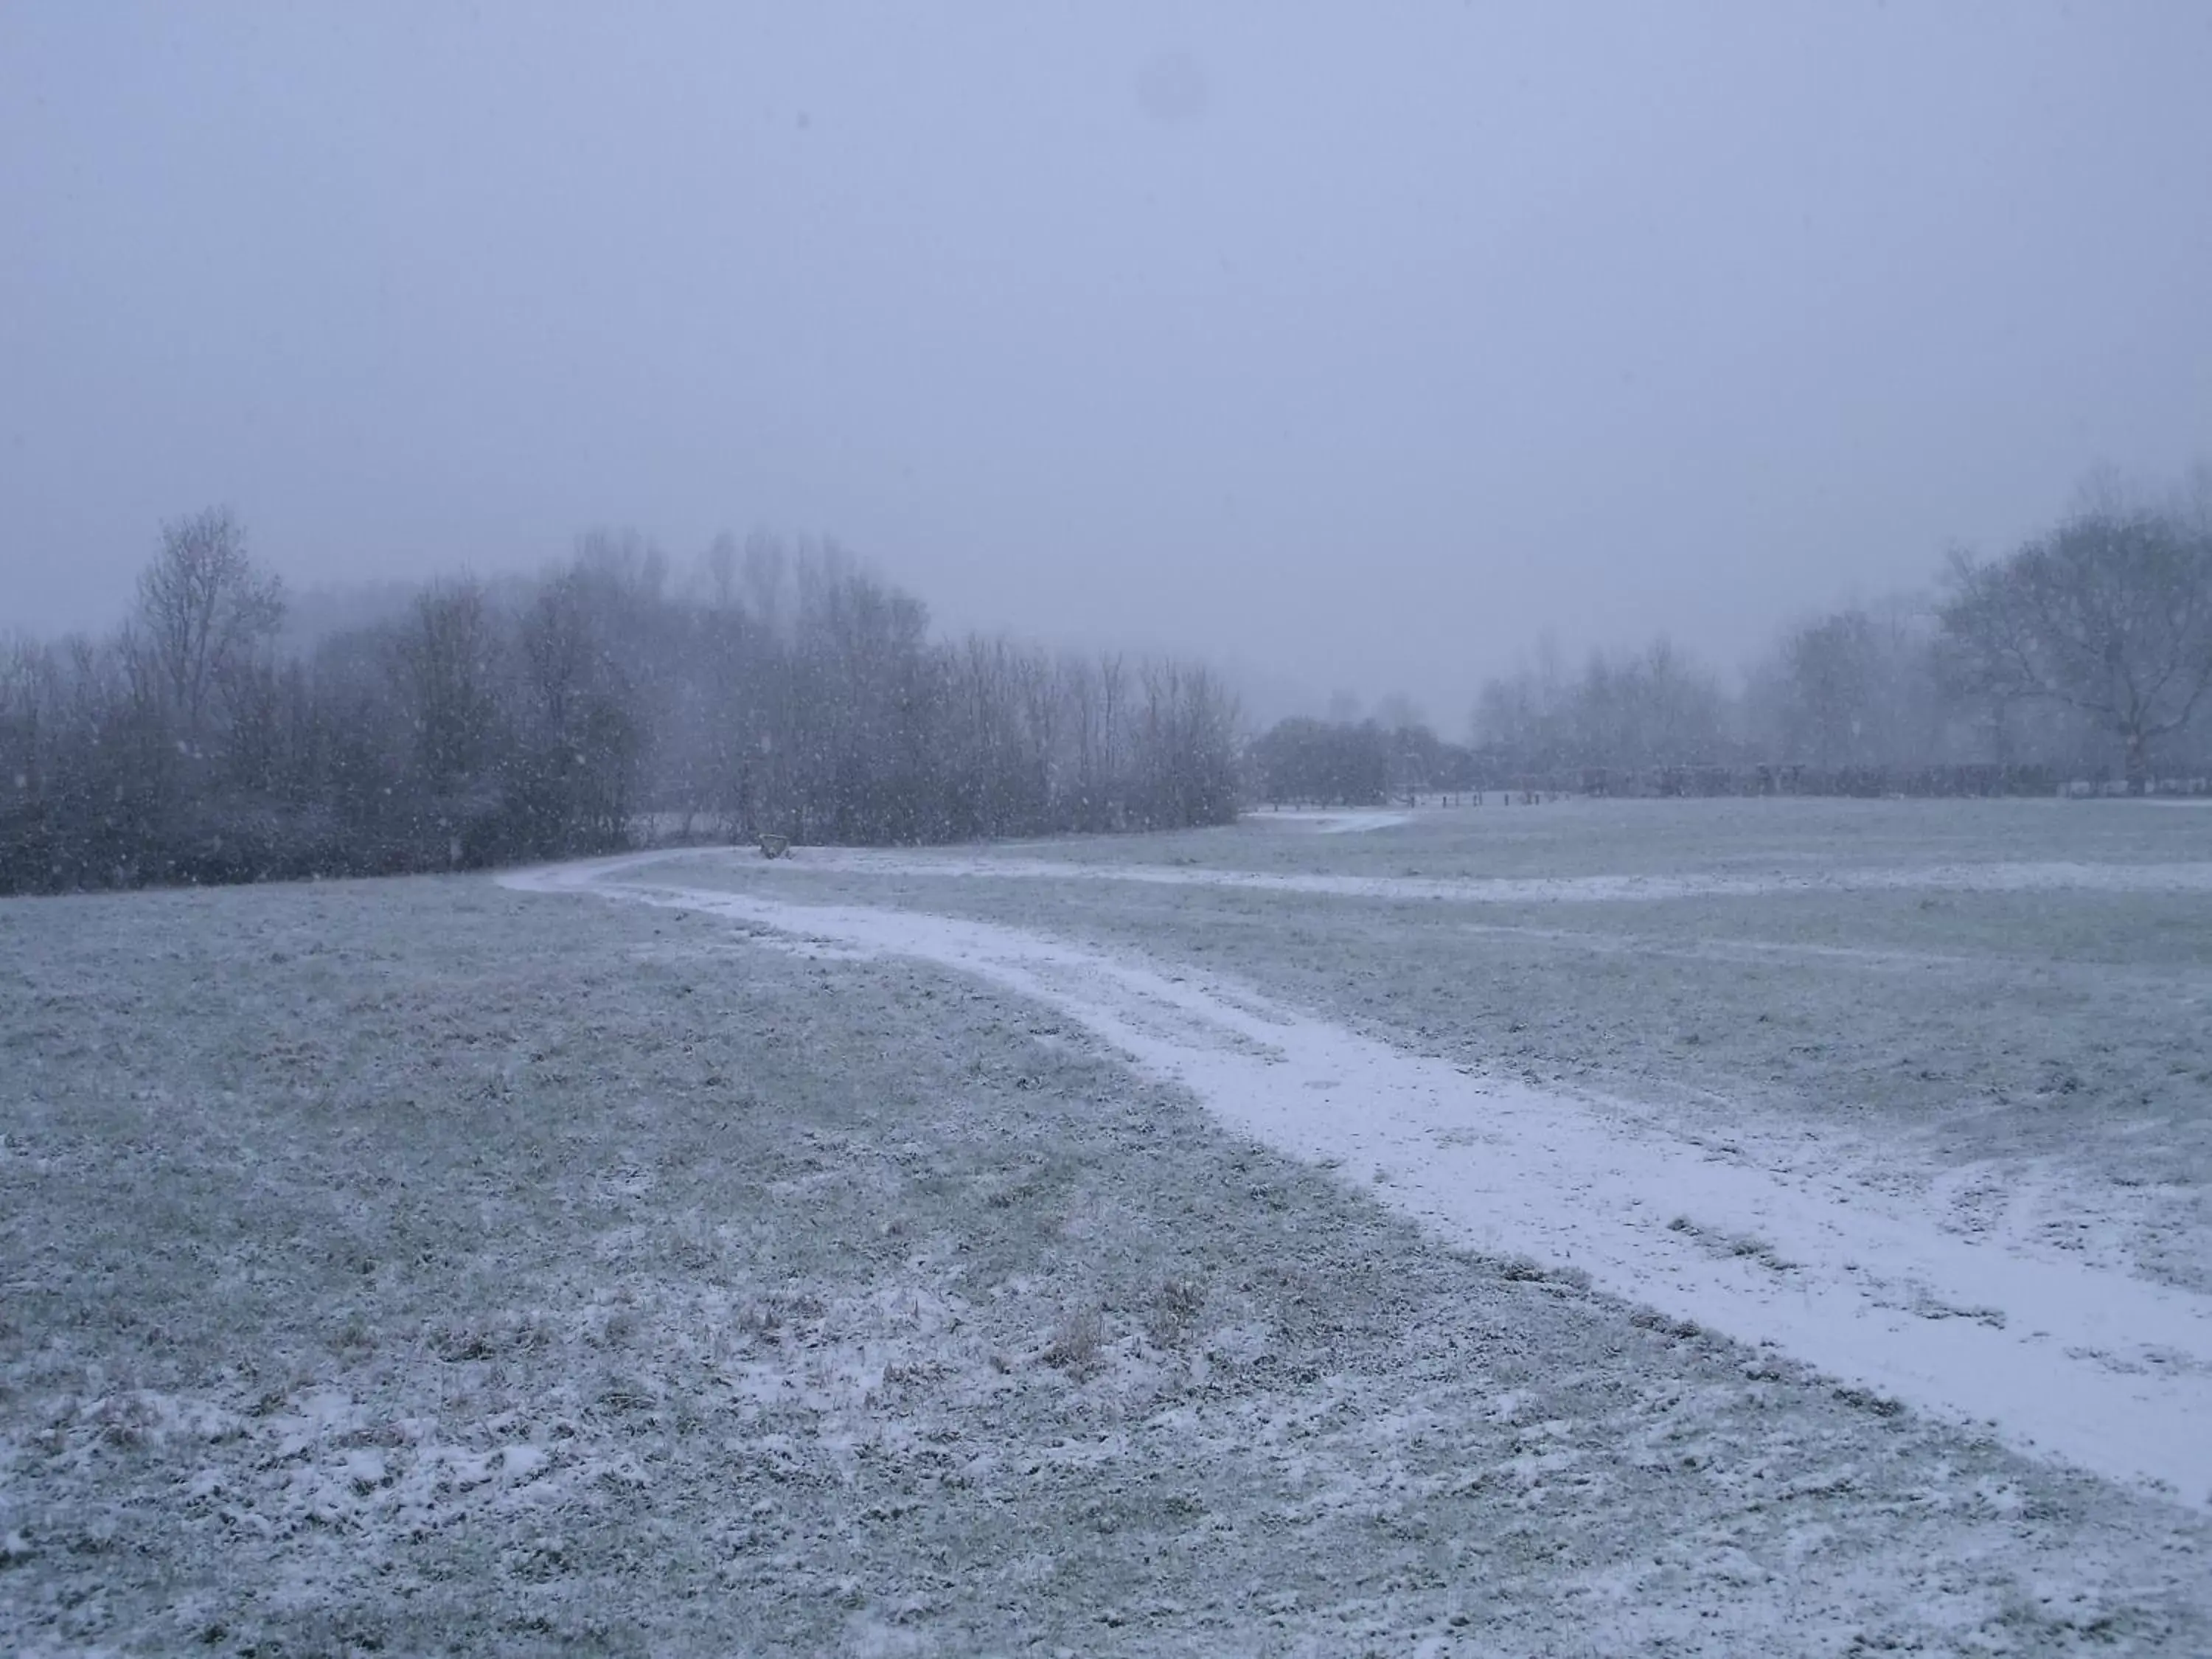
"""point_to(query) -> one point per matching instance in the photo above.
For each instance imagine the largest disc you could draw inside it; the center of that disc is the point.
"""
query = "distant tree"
(1683, 714)
(1832, 681)
(1186, 752)
(1520, 725)
(1863, 687)
(2109, 614)
(203, 609)
(571, 779)
(765, 575)
(1398, 713)
(1327, 763)
(1419, 760)
(720, 565)
(796, 693)
(1656, 707)
(447, 661)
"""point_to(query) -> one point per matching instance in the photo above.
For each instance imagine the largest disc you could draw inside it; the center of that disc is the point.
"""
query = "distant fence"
(1716, 781)
(2092, 788)
(1863, 782)
(1869, 782)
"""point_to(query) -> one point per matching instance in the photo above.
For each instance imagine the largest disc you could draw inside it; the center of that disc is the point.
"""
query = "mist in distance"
(1350, 351)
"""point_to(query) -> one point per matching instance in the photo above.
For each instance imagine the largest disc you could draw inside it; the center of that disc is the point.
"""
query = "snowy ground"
(796, 1260)
(2084, 1359)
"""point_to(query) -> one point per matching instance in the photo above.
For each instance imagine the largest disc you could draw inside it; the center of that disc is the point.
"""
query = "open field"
(1990, 1000)
(975, 1252)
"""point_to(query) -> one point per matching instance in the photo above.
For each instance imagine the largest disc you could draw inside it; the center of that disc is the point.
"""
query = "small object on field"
(774, 847)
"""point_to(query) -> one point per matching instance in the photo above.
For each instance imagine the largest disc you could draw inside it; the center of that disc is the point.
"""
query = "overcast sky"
(1354, 344)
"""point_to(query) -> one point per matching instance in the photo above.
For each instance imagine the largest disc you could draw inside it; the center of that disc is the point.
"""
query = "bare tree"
(791, 692)
(27, 700)
(1856, 688)
(1398, 711)
(447, 663)
(2110, 614)
(765, 576)
(204, 609)
(720, 561)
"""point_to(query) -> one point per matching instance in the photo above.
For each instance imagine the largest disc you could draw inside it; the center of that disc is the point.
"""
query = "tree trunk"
(2138, 761)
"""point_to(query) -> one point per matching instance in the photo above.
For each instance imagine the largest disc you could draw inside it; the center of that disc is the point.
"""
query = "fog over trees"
(780, 689)
(774, 690)
(2085, 655)
(2109, 616)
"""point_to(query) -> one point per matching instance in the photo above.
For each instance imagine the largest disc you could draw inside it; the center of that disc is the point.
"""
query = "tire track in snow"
(2098, 1369)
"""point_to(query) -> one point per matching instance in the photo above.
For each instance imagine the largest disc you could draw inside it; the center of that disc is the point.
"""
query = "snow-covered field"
(1587, 1228)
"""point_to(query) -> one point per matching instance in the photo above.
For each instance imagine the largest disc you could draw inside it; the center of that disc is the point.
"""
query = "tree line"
(774, 690)
(2084, 654)
(783, 689)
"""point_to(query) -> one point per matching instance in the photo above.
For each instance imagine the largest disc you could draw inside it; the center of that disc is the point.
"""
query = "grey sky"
(1355, 344)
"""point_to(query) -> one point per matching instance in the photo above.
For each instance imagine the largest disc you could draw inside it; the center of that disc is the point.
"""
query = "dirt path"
(2098, 1369)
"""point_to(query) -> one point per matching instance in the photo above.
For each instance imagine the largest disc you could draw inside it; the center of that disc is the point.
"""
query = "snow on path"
(2106, 1372)
(1995, 878)
(1350, 822)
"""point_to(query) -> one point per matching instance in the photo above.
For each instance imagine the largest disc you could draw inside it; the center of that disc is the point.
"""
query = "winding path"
(2093, 1367)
